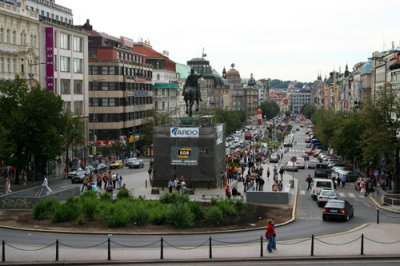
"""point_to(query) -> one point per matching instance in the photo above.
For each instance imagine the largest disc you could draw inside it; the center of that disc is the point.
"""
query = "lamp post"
(31, 75)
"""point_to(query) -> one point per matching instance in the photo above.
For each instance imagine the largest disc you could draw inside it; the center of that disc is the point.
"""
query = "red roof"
(150, 53)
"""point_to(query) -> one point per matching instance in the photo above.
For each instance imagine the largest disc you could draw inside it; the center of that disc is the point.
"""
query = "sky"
(279, 39)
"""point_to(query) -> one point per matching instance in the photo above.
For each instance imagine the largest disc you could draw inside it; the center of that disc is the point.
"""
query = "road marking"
(302, 192)
(341, 194)
(351, 195)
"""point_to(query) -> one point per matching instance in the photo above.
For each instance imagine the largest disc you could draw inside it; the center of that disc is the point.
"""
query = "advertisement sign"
(220, 134)
(184, 132)
(184, 156)
(49, 59)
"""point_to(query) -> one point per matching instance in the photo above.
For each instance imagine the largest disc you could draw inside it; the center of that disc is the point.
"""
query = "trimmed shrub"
(239, 205)
(159, 214)
(44, 209)
(214, 215)
(140, 213)
(89, 206)
(180, 216)
(123, 194)
(174, 198)
(68, 211)
(214, 201)
(115, 215)
(227, 207)
(197, 210)
(106, 196)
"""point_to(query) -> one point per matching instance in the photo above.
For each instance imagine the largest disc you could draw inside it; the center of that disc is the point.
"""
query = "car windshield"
(323, 184)
(328, 193)
(335, 204)
(81, 172)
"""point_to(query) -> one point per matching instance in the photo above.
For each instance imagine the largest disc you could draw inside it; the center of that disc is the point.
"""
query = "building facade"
(236, 89)
(165, 82)
(50, 10)
(120, 87)
(19, 42)
(298, 99)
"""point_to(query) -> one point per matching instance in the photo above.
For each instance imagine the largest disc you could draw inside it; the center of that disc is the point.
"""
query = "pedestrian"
(274, 235)
(261, 184)
(280, 186)
(281, 171)
(114, 180)
(118, 179)
(269, 235)
(309, 181)
(170, 185)
(362, 187)
(275, 172)
(99, 179)
(150, 171)
(228, 192)
(46, 184)
(268, 173)
(7, 185)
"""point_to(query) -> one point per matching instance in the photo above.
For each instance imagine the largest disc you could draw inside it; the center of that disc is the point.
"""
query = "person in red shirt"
(228, 192)
(269, 234)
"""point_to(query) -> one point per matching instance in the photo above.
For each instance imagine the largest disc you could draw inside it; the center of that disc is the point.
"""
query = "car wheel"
(324, 218)
(347, 217)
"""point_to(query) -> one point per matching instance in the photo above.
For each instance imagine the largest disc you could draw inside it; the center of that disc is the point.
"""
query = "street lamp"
(31, 75)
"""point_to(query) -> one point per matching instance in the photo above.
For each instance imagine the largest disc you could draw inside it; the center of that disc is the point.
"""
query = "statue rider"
(192, 81)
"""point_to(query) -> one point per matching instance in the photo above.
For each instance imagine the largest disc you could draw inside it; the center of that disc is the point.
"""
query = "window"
(2, 69)
(8, 36)
(78, 107)
(92, 54)
(55, 39)
(104, 70)
(8, 65)
(66, 106)
(77, 86)
(55, 63)
(104, 102)
(78, 65)
(1, 35)
(111, 102)
(77, 44)
(104, 86)
(64, 64)
(163, 106)
(65, 86)
(14, 65)
(14, 37)
(111, 70)
(64, 41)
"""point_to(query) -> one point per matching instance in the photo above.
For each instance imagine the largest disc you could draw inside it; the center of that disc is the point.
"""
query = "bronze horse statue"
(191, 92)
(190, 96)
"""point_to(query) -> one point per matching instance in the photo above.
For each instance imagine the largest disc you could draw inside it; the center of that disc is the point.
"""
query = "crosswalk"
(341, 195)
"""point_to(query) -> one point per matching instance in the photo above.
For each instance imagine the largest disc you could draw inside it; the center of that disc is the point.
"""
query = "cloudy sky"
(284, 39)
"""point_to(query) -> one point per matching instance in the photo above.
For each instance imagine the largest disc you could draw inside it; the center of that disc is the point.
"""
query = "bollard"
(162, 249)
(261, 247)
(109, 249)
(377, 216)
(312, 245)
(362, 244)
(210, 251)
(57, 250)
(3, 253)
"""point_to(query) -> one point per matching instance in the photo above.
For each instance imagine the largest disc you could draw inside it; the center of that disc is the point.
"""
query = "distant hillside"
(277, 83)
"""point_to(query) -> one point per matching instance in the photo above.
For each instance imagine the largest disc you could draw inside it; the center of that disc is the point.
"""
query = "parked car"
(274, 158)
(337, 209)
(73, 172)
(116, 164)
(290, 167)
(90, 168)
(312, 163)
(300, 164)
(324, 196)
(134, 163)
(320, 184)
(79, 176)
(101, 167)
(321, 170)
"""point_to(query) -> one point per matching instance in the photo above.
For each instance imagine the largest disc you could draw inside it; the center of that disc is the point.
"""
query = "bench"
(204, 197)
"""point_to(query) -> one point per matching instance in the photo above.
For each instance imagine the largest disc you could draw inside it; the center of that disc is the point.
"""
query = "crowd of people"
(108, 181)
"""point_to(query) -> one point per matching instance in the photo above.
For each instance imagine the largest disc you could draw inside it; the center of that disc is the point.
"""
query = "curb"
(379, 206)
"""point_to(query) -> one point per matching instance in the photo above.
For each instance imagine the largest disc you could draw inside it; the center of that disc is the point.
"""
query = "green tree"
(73, 131)
(233, 119)
(382, 124)
(307, 110)
(270, 109)
(155, 119)
(324, 126)
(31, 125)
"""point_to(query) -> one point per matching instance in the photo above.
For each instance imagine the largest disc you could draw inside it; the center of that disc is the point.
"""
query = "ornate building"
(236, 89)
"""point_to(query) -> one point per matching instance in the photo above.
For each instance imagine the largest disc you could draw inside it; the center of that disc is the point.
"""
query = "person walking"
(309, 181)
(269, 235)
(274, 235)
(46, 184)
(7, 185)
(268, 173)
(170, 185)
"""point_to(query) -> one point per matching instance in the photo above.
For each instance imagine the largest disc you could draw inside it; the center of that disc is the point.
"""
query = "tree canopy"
(270, 109)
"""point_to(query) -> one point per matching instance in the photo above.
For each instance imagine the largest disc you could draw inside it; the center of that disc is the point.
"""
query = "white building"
(298, 99)
(19, 46)
(49, 9)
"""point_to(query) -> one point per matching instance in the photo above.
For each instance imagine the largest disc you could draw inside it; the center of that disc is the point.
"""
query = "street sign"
(293, 159)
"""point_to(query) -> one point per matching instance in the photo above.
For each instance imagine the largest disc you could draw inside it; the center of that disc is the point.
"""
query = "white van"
(320, 184)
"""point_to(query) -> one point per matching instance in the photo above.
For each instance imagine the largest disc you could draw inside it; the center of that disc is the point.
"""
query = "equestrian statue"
(191, 92)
